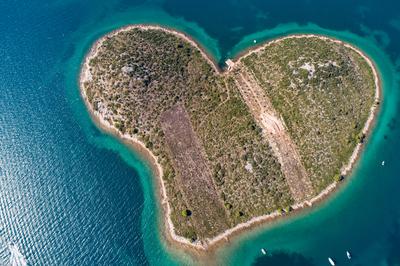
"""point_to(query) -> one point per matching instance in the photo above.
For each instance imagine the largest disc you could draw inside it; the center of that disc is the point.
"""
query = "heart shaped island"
(273, 132)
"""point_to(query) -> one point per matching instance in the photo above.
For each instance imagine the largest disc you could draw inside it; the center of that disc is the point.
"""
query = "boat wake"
(16, 259)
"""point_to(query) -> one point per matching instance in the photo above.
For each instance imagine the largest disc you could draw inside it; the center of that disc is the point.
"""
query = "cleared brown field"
(206, 212)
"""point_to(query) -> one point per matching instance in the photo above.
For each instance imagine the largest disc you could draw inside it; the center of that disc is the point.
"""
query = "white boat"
(254, 41)
(348, 255)
(263, 251)
(16, 259)
(331, 261)
(383, 163)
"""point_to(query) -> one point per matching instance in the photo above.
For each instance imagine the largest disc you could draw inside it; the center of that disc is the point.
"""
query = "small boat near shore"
(331, 261)
(348, 255)
(263, 251)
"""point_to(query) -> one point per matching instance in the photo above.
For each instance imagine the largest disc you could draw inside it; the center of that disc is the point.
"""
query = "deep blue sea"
(73, 195)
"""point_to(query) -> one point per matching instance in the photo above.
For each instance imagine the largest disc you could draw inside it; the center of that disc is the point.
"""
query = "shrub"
(186, 213)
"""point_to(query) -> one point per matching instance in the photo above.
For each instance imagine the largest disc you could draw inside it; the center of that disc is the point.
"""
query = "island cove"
(232, 149)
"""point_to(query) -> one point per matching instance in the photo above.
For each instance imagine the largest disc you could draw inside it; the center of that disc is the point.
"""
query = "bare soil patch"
(193, 175)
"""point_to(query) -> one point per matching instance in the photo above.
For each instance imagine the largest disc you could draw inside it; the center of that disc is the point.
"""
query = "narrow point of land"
(233, 149)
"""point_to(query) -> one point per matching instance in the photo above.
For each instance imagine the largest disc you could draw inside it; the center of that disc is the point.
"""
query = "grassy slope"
(324, 111)
(138, 75)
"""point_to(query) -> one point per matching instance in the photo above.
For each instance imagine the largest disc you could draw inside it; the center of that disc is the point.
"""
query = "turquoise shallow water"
(72, 195)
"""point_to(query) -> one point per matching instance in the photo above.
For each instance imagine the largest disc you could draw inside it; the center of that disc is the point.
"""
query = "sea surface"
(73, 195)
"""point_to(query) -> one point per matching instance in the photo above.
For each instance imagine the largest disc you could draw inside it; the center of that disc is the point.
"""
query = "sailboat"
(16, 259)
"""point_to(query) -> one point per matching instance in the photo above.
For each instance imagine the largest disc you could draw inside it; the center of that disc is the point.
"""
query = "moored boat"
(263, 251)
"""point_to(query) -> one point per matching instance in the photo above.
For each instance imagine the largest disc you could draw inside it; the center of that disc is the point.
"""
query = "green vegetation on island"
(220, 167)
(324, 92)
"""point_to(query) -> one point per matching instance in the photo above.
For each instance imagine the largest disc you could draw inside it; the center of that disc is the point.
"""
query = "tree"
(186, 213)
(338, 177)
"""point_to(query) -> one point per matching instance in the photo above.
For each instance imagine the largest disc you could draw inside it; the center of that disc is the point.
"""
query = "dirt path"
(274, 130)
